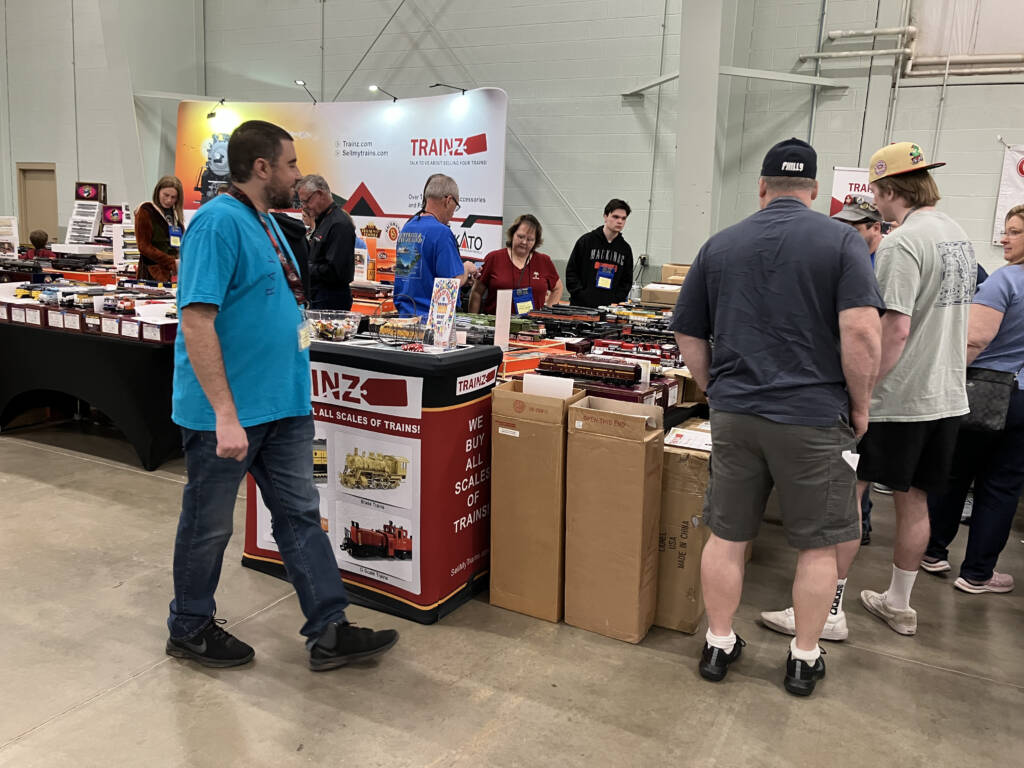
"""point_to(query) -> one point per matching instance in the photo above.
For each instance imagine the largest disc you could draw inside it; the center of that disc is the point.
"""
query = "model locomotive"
(390, 541)
(593, 367)
(377, 471)
(320, 461)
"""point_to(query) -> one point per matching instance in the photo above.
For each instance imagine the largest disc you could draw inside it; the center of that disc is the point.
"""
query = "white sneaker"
(902, 620)
(785, 622)
(885, 490)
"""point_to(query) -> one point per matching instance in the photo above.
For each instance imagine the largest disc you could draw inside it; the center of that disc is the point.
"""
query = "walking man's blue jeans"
(280, 459)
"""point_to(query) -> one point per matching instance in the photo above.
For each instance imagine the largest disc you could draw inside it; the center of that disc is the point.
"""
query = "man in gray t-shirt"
(926, 271)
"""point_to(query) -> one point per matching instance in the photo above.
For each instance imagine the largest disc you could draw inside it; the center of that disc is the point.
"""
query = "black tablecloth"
(129, 381)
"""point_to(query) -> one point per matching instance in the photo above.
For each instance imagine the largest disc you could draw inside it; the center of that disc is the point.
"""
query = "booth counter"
(401, 458)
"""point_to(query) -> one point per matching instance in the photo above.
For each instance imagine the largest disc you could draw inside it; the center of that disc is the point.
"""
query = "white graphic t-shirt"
(926, 269)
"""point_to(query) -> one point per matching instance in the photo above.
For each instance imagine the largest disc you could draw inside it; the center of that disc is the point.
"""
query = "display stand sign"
(8, 235)
(401, 460)
(848, 181)
(1011, 188)
(375, 155)
(441, 319)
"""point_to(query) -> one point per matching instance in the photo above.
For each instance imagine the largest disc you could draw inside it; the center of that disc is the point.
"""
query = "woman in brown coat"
(159, 226)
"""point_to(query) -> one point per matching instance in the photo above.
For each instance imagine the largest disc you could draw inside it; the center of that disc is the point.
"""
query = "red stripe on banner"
(385, 425)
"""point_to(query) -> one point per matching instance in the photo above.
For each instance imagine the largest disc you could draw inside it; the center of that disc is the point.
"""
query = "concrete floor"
(85, 548)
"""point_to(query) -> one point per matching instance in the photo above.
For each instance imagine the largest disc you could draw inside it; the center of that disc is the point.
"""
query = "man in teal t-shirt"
(426, 248)
(242, 399)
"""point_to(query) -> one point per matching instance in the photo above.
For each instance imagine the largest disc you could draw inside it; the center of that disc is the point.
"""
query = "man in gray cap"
(861, 213)
(792, 305)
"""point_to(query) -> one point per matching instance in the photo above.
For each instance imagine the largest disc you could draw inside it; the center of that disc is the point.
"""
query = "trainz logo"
(471, 145)
(471, 243)
(474, 381)
(347, 389)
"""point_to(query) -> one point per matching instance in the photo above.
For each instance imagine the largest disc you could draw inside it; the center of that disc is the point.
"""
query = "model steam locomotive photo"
(215, 173)
(376, 471)
(320, 461)
(390, 541)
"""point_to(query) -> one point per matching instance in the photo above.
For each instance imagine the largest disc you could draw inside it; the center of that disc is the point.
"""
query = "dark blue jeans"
(280, 459)
(994, 461)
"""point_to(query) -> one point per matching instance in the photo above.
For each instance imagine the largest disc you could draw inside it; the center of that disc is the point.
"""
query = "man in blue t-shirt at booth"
(426, 248)
(242, 400)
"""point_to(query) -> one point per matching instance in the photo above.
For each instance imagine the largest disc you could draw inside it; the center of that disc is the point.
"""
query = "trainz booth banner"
(848, 181)
(375, 155)
(402, 465)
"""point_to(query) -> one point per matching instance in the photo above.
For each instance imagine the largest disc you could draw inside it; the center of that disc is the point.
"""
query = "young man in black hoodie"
(600, 268)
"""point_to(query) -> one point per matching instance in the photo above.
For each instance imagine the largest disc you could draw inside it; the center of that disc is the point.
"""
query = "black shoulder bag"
(988, 394)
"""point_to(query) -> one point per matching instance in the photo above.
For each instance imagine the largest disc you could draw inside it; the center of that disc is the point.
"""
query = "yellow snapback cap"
(896, 158)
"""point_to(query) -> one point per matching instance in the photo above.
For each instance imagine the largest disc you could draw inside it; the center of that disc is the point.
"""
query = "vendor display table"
(402, 462)
(129, 381)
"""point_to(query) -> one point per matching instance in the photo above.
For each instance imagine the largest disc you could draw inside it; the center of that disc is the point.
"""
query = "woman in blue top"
(992, 460)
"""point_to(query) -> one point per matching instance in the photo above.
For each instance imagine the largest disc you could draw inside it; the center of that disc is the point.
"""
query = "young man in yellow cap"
(926, 270)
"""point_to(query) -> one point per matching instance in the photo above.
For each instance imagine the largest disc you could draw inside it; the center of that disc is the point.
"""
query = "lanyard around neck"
(291, 275)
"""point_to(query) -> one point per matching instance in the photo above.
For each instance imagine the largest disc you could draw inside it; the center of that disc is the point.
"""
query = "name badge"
(604, 277)
(522, 300)
(305, 334)
(176, 237)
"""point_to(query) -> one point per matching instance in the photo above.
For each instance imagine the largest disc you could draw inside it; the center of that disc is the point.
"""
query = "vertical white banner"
(847, 181)
(1011, 187)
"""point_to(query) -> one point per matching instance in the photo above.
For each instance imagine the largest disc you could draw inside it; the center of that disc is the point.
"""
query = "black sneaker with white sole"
(801, 676)
(343, 643)
(714, 662)
(212, 647)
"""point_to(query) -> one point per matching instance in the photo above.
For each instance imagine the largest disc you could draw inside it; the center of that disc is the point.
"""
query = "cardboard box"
(660, 293)
(673, 270)
(612, 509)
(636, 394)
(682, 533)
(528, 500)
(689, 392)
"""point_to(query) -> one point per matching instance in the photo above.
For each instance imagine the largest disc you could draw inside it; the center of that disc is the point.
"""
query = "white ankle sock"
(898, 594)
(837, 602)
(808, 656)
(725, 642)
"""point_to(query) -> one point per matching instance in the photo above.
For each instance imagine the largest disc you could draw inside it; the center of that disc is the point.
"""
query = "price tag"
(3, 313)
(150, 332)
(33, 316)
(54, 319)
(130, 328)
(110, 325)
(17, 314)
(73, 322)
(522, 300)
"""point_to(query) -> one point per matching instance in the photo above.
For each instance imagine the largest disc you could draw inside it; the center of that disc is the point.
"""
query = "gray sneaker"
(902, 620)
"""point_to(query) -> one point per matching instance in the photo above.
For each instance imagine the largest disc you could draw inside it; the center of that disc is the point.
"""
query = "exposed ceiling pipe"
(856, 54)
(838, 34)
(970, 58)
(962, 70)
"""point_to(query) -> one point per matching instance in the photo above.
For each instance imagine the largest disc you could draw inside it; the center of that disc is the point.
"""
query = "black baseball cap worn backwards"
(793, 158)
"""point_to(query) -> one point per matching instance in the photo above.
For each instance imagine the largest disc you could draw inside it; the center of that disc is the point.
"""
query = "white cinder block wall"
(562, 62)
(68, 90)
(849, 124)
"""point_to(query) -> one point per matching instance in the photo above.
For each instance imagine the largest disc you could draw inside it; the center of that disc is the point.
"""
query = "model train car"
(320, 461)
(377, 471)
(593, 367)
(390, 541)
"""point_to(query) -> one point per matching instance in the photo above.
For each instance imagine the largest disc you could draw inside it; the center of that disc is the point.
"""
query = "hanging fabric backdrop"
(376, 156)
(1011, 187)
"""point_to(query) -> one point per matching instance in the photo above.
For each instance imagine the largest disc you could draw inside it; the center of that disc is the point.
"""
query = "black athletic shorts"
(908, 454)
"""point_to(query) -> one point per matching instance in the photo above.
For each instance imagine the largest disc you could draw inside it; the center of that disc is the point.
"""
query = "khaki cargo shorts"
(817, 489)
